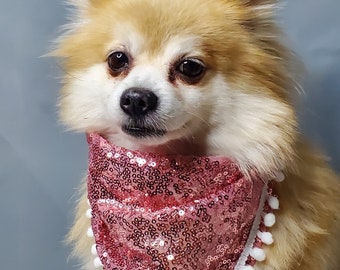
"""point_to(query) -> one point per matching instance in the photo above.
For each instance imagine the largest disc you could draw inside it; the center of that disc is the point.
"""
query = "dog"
(197, 78)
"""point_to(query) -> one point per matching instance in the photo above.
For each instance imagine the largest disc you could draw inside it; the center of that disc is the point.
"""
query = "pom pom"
(97, 263)
(274, 203)
(279, 177)
(90, 232)
(258, 254)
(266, 237)
(269, 220)
(94, 250)
(89, 213)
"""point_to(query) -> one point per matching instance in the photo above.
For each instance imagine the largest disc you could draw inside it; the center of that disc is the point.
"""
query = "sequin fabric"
(168, 212)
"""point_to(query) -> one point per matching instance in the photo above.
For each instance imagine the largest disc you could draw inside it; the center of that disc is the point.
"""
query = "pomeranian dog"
(207, 79)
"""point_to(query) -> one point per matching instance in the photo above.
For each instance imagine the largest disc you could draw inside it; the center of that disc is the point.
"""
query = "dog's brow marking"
(179, 46)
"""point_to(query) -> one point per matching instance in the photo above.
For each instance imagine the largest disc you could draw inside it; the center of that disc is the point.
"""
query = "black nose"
(137, 102)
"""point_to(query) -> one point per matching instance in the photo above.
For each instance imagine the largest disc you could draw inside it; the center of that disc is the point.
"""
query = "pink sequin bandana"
(150, 211)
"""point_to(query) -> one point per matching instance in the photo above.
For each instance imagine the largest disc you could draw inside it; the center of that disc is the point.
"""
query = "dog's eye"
(118, 62)
(191, 70)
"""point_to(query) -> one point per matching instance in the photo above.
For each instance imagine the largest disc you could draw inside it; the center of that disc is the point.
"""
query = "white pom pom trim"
(258, 254)
(274, 203)
(279, 177)
(89, 213)
(269, 220)
(97, 263)
(94, 250)
(266, 237)
(89, 232)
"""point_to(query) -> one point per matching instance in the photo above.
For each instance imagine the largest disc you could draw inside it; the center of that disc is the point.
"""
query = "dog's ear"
(264, 9)
(261, 7)
(259, 2)
(259, 14)
(83, 4)
(80, 4)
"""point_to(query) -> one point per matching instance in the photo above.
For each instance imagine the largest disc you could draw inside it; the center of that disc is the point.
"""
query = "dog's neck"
(184, 146)
(266, 162)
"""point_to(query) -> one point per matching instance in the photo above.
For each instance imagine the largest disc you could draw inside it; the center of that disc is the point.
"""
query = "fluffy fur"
(241, 108)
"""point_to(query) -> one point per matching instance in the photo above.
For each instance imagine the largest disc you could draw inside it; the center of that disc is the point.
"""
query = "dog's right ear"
(82, 5)
(79, 4)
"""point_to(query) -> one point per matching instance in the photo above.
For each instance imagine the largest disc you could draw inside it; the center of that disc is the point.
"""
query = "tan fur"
(307, 231)
(248, 117)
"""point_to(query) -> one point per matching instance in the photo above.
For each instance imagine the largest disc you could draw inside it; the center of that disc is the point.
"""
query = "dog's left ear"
(261, 7)
(259, 2)
(258, 14)
(259, 11)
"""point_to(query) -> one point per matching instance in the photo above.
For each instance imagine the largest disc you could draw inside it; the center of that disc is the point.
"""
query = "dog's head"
(203, 76)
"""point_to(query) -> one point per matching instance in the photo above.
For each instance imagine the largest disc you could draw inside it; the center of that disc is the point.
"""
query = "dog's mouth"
(142, 131)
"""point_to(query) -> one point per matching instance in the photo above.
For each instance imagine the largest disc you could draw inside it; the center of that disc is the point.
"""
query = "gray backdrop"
(41, 165)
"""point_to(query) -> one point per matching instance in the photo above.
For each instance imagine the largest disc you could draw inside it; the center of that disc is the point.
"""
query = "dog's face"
(201, 76)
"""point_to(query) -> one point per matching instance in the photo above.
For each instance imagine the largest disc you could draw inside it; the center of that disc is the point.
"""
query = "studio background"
(41, 164)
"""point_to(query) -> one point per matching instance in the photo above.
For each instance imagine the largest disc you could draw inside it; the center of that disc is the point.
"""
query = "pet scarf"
(150, 211)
